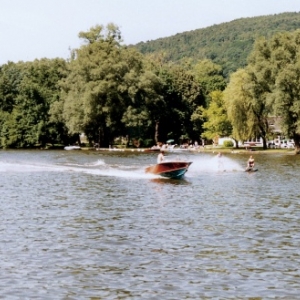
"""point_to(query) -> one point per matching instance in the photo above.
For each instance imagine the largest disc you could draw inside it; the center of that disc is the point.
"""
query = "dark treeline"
(106, 90)
(27, 92)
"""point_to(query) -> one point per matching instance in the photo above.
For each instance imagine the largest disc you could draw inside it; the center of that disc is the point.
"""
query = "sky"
(34, 29)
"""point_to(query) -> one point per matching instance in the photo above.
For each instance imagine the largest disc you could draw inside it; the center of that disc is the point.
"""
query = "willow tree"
(278, 59)
(238, 103)
(248, 107)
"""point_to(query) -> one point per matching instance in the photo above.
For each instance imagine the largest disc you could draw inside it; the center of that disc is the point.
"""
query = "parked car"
(271, 144)
(288, 144)
(281, 144)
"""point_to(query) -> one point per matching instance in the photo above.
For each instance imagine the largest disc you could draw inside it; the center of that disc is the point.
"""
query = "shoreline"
(205, 150)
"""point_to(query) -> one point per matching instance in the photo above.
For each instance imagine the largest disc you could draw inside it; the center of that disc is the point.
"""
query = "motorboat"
(171, 169)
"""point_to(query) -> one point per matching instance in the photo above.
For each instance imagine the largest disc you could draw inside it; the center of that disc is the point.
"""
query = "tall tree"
(181, 95)
(97, 91)
(238, 103)
(186, 96)
(142, 116)
(276, 65)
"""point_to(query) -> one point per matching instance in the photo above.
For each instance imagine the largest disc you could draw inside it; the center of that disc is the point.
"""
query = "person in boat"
(161, 157)
(250, 163)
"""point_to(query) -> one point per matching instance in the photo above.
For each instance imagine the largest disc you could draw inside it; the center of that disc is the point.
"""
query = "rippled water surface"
(93, 225)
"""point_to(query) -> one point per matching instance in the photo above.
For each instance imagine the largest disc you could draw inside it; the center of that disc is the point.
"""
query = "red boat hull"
(169, 169)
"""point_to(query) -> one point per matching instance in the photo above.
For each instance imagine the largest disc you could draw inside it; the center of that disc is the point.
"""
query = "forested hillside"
(227, 44)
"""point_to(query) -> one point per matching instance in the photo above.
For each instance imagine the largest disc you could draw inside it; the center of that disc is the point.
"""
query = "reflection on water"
(93, 224)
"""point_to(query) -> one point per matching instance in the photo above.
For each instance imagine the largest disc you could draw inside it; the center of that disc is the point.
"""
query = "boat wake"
(213, 165)
(99, 162)
(99, 167)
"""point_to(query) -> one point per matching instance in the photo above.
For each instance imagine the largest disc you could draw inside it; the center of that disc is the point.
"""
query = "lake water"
(93, 225)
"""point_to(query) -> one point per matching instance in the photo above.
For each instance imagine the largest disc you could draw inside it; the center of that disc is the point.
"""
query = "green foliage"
(27, 91)
(226, 44)
(248, 110)
(10, 78)
(215, 119)
(228, 144)
(238, 103)
(276, 65)
(210, 76)
(107, 91)
(182, 94)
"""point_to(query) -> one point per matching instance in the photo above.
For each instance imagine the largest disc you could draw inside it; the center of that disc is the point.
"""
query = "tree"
(96, 92)
(10, 78)
(147, 106)
(186, 95)
(216, 123)
(26, 93)
(277, 64)
(181, 95)
(238, 103)
(210, 77)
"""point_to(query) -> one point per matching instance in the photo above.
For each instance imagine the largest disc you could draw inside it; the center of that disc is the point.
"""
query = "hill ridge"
(227, 43)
